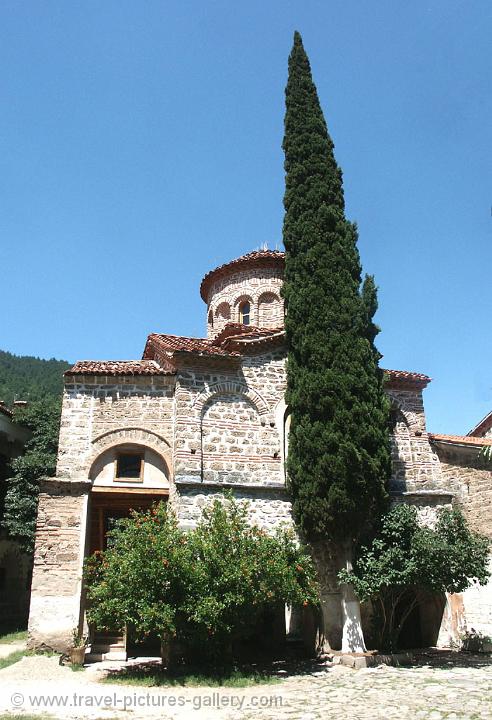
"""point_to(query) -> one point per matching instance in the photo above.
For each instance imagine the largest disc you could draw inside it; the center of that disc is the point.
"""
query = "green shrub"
(407, 559)
(205, 589)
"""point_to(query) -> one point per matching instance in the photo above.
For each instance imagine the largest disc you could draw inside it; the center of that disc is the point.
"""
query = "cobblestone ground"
(387, 692)
(458, 691)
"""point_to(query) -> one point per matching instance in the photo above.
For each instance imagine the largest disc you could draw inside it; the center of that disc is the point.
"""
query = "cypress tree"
(339, 453)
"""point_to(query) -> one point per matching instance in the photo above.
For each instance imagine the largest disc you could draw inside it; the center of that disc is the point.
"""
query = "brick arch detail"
(234, 387)
(411, 418)
(268, 294)
(131, 435)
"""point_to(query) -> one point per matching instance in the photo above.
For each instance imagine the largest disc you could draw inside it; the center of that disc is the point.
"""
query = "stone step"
(107, 646)
(107, 638)
(100, 656)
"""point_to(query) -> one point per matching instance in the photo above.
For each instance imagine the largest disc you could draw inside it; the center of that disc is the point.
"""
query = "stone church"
(195, 416)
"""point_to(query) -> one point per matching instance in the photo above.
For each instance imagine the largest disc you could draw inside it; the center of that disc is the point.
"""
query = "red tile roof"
(408, 378)
(484, 425)
(247, 333)
(460, 439)
(117, 367)
(232, 342)
(170, 344)
(257, 258)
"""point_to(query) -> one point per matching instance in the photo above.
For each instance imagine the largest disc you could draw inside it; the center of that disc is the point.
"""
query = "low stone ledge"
(63, 485)
(194, 483)
(357, 661)
(432, 494)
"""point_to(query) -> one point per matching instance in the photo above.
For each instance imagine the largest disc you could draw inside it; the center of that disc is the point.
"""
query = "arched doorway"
(421, 627)
(125, 477)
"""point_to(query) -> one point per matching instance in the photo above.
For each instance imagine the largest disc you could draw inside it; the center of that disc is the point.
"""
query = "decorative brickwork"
(259, 285)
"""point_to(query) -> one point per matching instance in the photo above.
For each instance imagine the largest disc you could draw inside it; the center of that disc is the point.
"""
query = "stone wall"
(58, 559)
(268, 508)
(94, 407)
(226, 428)
(415, 465)
(236, 447)
(259, 286)
(471, 479)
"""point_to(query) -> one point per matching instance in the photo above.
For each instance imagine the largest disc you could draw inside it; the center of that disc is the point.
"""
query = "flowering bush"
(206, 588)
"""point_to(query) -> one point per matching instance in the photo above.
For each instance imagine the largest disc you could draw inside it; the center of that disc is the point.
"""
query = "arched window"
(245, 313)
(270, 312)
(211, 318)
(223, 311)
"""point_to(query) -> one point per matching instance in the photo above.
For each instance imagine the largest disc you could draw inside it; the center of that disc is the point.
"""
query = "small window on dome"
(244, 313)
(211, 318)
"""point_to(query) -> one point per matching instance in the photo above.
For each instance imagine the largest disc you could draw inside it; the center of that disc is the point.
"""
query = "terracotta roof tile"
(404, 376)
(460, 439)
(258, 257)
(117, 367)
(408, 375)
(237, 331)
(178, 343)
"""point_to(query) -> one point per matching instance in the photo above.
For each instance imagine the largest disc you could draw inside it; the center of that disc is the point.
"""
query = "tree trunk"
(166, 651)
(326, 633)
(352, 637)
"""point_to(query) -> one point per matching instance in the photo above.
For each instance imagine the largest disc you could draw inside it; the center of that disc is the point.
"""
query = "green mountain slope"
(29, 378)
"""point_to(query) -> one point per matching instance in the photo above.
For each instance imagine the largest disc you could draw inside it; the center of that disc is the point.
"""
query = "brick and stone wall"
(58, 559)
(463, 470)
(415, 465)
(471, 482)
(95, 407)
(267, 507)
(236, 447)
(259, 286)
(226, 429)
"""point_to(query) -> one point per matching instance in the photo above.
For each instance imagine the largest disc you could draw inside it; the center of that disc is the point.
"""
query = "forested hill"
(29, 378)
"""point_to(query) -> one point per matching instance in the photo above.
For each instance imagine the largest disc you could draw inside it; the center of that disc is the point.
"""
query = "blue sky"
(140, 146)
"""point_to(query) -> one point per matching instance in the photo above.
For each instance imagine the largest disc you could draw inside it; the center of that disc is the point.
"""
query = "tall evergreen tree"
(339, 453)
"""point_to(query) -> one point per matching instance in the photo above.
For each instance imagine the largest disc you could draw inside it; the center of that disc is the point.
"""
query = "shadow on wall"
(401, 452)
(420, 629)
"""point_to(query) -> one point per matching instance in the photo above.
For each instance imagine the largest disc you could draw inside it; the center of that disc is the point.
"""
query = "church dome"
(245, 290)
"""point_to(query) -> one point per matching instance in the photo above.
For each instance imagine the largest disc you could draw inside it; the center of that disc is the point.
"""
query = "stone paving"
(458, 691)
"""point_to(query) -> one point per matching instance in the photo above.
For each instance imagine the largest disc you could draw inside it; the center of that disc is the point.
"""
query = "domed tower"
(246, 291)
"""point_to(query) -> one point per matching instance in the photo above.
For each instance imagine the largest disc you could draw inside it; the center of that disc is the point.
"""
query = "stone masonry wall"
(58, 557)
(94, 406)
(235, 446)
(267, 507)
(471, 482)
(260, 286)
(226, 429)
(415, 465)
(464, 471)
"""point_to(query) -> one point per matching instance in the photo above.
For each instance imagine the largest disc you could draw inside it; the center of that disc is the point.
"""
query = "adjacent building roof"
(406, 378)
(117, 367)
(460, 439)
(483, 426)
(258, 258)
